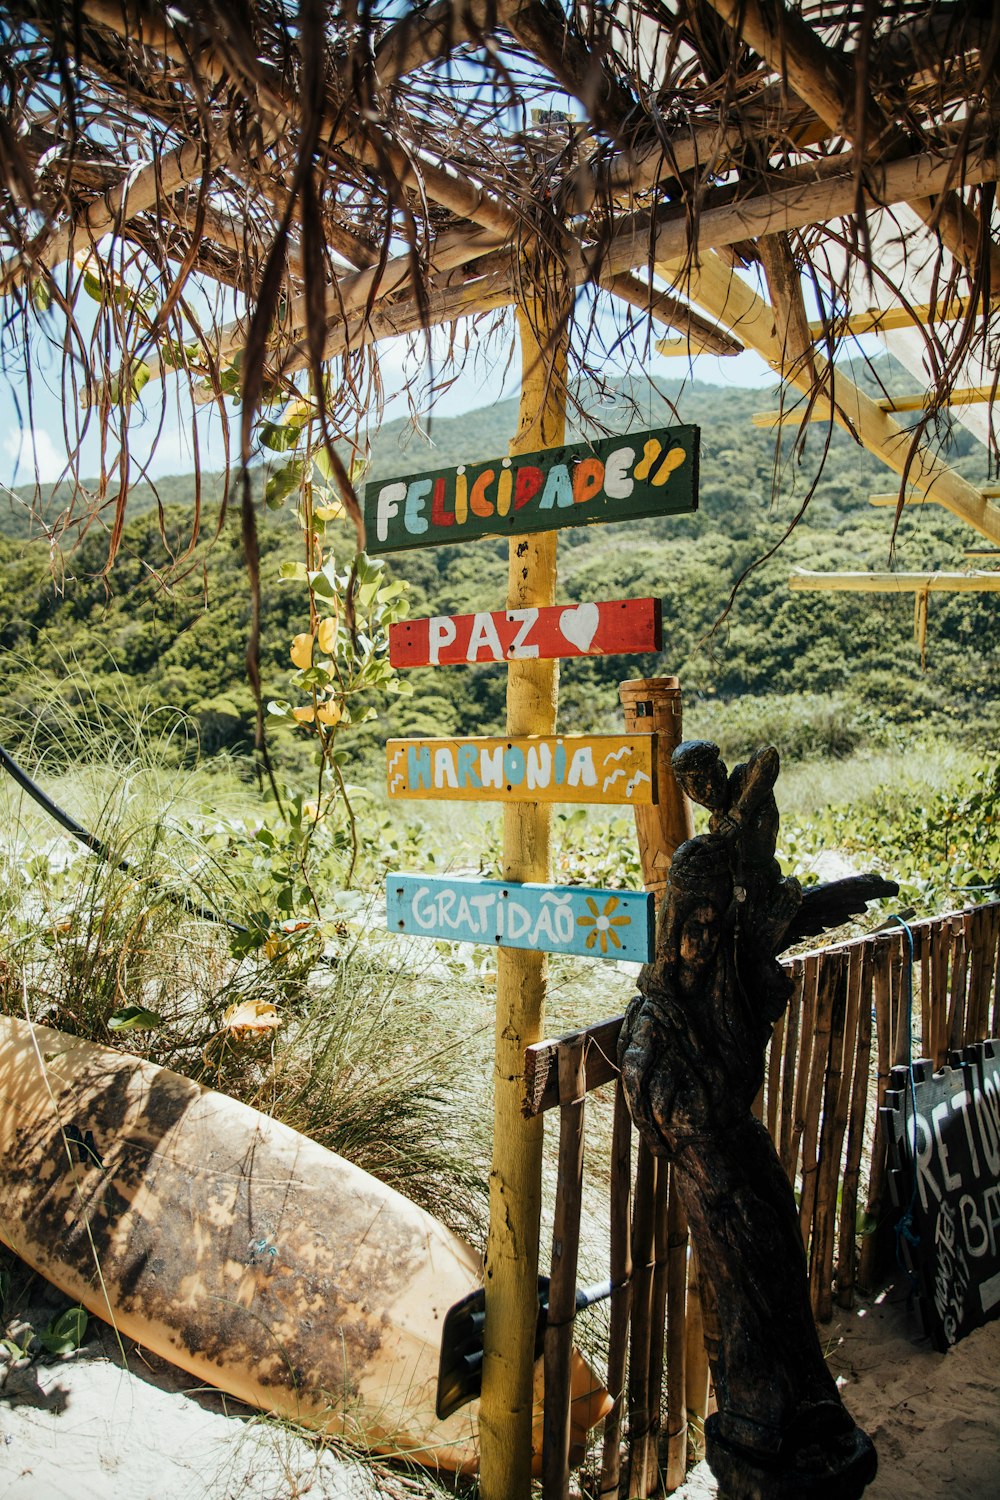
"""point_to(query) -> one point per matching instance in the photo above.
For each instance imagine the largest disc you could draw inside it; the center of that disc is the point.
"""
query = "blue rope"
(904, 1227)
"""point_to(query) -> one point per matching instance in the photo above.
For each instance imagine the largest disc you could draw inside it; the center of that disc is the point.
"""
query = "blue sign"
(547, 918)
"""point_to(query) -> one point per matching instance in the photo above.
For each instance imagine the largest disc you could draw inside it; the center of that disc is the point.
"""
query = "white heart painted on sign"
(579, 625)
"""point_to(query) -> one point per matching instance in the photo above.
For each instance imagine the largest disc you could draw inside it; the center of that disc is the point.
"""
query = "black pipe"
(98, 847)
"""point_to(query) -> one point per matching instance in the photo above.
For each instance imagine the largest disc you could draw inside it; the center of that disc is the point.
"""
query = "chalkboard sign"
(945, 1171)
(616, 479)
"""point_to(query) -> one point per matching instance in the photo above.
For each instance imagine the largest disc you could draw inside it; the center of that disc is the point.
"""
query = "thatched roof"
(287, 184)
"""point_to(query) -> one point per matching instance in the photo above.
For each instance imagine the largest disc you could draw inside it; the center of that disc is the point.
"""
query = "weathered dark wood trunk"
(692, 1059)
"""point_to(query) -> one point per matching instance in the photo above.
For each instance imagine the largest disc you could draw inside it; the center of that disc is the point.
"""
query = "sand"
(99, 1426)
(934, 1418)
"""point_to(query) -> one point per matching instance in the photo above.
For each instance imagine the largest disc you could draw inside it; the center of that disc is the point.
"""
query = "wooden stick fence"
(830, 1061)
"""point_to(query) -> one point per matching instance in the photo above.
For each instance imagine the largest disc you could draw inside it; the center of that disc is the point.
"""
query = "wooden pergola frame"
(359, 175)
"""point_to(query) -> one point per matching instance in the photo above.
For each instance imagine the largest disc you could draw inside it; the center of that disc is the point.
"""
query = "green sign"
(617, 479)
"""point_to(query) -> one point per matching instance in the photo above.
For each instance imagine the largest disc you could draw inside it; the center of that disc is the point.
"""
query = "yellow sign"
(616, 768)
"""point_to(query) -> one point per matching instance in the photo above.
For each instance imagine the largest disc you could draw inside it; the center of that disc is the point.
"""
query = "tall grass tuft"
(380, 1063)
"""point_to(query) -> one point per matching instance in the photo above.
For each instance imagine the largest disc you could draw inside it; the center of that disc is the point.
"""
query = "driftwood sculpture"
(692, 1060)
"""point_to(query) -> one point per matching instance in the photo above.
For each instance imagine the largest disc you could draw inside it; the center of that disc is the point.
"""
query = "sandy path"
(87, 1428)
(934, 1418)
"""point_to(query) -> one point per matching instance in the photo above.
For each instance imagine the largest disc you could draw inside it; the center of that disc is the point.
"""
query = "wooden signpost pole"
(515, 1178)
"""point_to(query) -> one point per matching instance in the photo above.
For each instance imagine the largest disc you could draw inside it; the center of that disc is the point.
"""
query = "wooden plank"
(979, 582)
(820, 411)
(860, 958)
(541, 1070)
(826, 988)
(615, 769)
(558, 1351)
(807, 1012)
(606, 629)
(922, 950)
(957, 996)
(643, 1226)
(774, 1078)
(621, 1290)
(792, 1013)
(539, 918)
(835, 1098)
(696, 1371)
(657, 1325)
(626, 478)
(676, 1347)
(716, 288)
(873, 1248)
(941, 953)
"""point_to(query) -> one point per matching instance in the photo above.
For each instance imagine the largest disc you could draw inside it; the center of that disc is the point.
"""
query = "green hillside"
(821, 672)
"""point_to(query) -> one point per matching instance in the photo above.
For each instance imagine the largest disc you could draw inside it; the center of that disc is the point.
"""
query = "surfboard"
(234, 1247)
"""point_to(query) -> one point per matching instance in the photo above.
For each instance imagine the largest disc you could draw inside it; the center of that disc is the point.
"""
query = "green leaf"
(140, 378)
(284, 482)
(66, 1332)
(41, 296)
(134, 1018)
(280, 437)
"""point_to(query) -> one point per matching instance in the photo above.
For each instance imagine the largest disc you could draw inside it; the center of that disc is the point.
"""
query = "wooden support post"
(515, 1179)
(562, 1283)
(652, 705)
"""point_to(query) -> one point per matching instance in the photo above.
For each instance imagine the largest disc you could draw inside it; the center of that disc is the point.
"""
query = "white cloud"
(31, 450)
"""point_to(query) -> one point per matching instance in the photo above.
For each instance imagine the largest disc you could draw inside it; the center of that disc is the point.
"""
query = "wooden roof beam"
(762, 213)
(543, 28)
(464, 198)
(663, 308)
(727, 297)
(795, 415)
(914, 497)
(822, 78)
(137, 192)
(896, 583)
(778, 208)
(430, 35)
(884, 320)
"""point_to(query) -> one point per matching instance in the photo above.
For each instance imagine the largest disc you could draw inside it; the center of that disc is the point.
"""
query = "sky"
(491, 373)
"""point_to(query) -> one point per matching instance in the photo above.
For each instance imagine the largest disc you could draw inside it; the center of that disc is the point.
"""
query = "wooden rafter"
(728, 298)
(823, 79)
(896, 583)
(137, 192)
(819, 411)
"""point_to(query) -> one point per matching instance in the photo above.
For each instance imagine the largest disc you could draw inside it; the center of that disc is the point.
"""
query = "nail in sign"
(609, 768)
(618, 625)
(616, 479)
(547, 918)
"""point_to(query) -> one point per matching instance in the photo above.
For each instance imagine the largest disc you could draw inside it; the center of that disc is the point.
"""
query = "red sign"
(520, 634)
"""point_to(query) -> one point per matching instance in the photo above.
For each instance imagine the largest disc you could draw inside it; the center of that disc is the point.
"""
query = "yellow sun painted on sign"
(603, 923)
